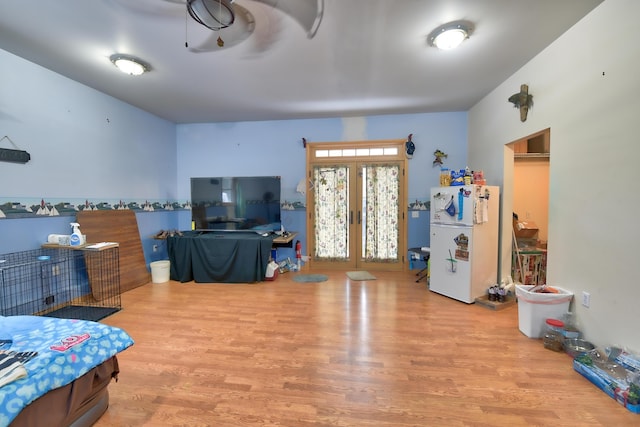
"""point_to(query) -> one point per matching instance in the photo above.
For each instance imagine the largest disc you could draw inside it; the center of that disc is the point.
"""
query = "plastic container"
(478, 178)
(160, 271)
(535, 307)
(553, 338)
(570, 329)
(445, 177)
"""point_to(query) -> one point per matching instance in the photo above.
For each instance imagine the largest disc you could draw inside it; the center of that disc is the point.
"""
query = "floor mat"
(83, 312)
(307, 278)
(360, 275)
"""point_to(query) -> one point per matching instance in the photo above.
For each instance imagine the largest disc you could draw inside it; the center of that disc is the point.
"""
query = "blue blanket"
(66, 349)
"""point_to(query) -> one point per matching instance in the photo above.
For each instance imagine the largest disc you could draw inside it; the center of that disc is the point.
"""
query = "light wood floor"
(386, 352)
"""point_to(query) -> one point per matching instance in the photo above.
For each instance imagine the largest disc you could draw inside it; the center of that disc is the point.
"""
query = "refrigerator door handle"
(359, 219)
(351, 217)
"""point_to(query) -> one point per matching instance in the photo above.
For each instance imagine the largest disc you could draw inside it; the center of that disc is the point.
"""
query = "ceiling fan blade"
(308, 13)
(267, 34)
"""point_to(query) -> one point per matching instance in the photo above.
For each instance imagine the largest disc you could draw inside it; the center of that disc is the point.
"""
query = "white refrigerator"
(464, 240)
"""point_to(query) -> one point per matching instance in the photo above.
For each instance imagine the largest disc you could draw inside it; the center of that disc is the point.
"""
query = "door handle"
(359, 219)
(351, 217)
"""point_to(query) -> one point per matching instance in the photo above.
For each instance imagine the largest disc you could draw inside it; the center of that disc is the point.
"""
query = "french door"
(356, 208)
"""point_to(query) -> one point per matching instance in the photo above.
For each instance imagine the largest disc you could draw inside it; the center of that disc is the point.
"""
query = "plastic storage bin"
(534, 308)
(160, 271)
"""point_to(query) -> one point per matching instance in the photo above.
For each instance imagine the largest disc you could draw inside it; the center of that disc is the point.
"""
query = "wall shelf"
(517, 156)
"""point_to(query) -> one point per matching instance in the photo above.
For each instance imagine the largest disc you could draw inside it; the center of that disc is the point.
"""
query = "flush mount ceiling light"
(451, 35)
(129, 64)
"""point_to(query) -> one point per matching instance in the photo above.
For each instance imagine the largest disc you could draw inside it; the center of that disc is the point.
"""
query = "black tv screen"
(236, 203)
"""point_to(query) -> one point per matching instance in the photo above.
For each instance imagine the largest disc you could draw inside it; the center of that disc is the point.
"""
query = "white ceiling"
(368, 57)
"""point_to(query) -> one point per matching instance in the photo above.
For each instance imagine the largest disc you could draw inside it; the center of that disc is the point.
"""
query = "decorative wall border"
(50, 207)
(420, 205)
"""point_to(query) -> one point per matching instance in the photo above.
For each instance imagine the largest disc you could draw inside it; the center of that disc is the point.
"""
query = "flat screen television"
(236, 203)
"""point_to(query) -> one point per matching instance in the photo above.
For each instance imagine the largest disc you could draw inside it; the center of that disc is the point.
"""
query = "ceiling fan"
(238, 23)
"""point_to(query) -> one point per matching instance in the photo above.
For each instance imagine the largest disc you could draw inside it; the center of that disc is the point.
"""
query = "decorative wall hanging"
(523, 101)
(439, 156)
(410, 146)
(13, 156)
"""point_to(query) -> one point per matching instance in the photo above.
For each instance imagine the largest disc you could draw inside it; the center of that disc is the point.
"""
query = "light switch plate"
(586, 299)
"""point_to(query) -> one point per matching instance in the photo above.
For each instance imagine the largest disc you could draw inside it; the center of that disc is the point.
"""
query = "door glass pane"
(380, 190)
(331, 193)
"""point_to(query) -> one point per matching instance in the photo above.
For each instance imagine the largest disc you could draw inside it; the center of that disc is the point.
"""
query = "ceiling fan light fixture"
(213, 14)
(451, 35)
(129, 64)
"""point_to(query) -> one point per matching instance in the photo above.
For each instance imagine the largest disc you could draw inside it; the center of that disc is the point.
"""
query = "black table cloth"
(219, 256)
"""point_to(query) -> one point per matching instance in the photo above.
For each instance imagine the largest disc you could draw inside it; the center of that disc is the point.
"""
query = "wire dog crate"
(61, 282)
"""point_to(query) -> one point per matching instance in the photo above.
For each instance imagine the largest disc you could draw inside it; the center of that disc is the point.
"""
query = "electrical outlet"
(155, 248)
(586, 299)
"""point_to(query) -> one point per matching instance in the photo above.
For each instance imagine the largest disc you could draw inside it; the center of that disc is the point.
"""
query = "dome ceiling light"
(451, 35)
(129, 64)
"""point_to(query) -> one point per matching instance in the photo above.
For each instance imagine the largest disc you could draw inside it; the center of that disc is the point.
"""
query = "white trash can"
(534, 308)
(160, 271)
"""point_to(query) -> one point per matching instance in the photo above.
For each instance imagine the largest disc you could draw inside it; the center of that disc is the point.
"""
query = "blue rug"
(307, 278)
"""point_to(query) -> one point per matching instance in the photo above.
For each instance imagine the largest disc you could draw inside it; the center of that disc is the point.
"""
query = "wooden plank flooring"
(386, 352)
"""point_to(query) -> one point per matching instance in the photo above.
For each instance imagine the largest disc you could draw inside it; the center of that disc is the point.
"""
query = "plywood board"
(120, 227)
(495, 305)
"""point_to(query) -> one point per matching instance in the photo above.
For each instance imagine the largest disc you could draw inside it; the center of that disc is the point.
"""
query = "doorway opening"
(530, 207)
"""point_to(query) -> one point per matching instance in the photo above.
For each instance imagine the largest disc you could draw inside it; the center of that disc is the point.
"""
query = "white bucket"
(535, 308)
(160, 271)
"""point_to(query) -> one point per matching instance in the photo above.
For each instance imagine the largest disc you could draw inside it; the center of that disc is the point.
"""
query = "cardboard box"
(618, 390)
(526, 229)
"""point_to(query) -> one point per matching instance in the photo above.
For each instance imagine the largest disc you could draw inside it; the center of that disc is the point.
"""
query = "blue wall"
(87, 145)
(275, 148)
(84, 146)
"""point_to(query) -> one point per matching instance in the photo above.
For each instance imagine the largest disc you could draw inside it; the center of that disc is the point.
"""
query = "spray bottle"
(299, 253)
(77, 238)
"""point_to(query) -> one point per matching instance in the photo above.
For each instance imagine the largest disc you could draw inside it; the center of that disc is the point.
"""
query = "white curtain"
(331, 187)
(381, 187)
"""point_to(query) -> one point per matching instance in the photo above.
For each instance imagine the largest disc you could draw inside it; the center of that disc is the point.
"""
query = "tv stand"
(219, 256)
